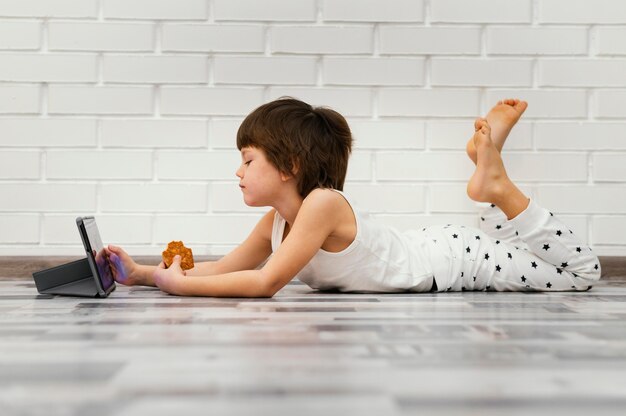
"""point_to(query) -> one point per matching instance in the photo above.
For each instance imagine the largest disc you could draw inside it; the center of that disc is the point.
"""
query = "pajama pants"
(534, 251)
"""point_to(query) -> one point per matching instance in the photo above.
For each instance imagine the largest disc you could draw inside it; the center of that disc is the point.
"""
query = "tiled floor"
(141, 352)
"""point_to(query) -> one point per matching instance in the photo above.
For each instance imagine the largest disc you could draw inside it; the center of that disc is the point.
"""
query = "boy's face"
(259, 180)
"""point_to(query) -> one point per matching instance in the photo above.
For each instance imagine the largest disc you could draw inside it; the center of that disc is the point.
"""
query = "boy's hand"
(124, 268)
(170, 280)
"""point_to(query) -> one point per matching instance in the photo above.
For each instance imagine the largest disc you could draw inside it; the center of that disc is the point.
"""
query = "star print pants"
(534, 251)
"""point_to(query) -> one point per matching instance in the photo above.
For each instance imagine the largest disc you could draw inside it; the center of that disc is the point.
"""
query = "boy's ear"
(294, 172)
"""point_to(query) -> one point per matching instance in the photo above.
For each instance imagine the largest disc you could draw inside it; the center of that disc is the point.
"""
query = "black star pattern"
(461, 274)
(434, 241)
(534, 265)
(573, 287)
(493, 205)
(478, 237)
(564, 264)
(516, 233)
(551, 214)
(449, 289)
(455, 236)
(559, 270)
(468, 249)
(498, 227)
(486, 256)
(498, 268)
(548, 285)
(497, 241)
(546, 247)
(589, 287)
(474, 278)
(523, 279)
(423, 229)
(571, 232)
(595, 267)
(488, 287)
(575, 275)
(558, 232)
(509, 255)
(578, 249)
(482, 218)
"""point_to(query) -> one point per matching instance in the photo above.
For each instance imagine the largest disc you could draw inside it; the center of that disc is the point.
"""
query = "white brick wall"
(128, 110)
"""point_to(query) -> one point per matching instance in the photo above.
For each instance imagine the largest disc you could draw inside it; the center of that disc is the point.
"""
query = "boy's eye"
(248, 162)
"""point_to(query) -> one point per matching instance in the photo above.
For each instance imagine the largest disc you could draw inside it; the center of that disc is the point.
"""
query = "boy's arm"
(315, 221)
(248, 255)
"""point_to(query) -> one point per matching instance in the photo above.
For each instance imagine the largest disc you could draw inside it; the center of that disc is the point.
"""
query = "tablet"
(96, 255)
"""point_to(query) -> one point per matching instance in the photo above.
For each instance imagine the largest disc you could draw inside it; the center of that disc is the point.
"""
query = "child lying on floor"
(294, 160)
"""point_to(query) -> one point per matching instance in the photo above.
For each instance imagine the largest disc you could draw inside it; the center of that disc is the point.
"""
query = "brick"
(19, 99)
(114, 229)
(29, 67)
(154, 133)
(49, 132)
(481, 11)
(197, 165)
(609, 230)
(429, 40)
(546, 103)
(268, 10)
(610, 40)
(322, 39)
(581, 11)
(582, 73)
(179, 37)
(610, 104)
(265, 70)
(387, 134)
(228, 197)
(223, 133)
(155, 69)
(583, 199)
(99, 100)
(118, 37)
(153, 197)
(19, 164)
(373, 71)
(219, 229)
(19, 229)
(373, 10)
(348, 101)
(450, 198)
(359, 167)
(155, 9)
(409, 166)
(433, 103)
(609, 167)
(101, 164)
(450, 134)
(20, 35)
(48, 197)
(536, 41)
(214, 101)
(387, 197)
(49, 8)
(481, 72)
(540, 167)
(580, 136)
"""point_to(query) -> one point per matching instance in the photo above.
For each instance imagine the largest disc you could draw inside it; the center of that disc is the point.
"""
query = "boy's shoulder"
(324, 196)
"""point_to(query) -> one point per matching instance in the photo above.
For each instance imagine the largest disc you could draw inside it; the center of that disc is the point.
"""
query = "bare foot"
(489, 181)
(502, 117)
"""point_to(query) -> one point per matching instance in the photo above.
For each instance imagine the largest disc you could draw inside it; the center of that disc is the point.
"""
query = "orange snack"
(178, 248)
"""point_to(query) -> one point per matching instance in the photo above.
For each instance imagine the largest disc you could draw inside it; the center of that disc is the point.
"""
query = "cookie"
(178, 248)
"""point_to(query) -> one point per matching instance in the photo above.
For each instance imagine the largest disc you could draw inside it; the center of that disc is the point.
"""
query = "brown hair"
(315, 142)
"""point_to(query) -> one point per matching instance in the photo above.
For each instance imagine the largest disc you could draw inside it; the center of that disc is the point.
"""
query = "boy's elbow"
(271, 285)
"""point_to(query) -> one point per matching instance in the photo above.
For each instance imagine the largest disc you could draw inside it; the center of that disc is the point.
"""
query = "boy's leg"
(557, 260)
(553, 249)
(501, 118)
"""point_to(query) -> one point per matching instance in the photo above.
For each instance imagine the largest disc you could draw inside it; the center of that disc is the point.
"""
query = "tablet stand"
(73, 279)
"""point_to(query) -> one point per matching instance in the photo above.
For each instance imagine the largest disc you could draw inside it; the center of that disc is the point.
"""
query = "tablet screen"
(97, 249)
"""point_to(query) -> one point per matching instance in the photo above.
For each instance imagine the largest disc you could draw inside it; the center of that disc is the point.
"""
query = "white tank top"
(380, 259)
